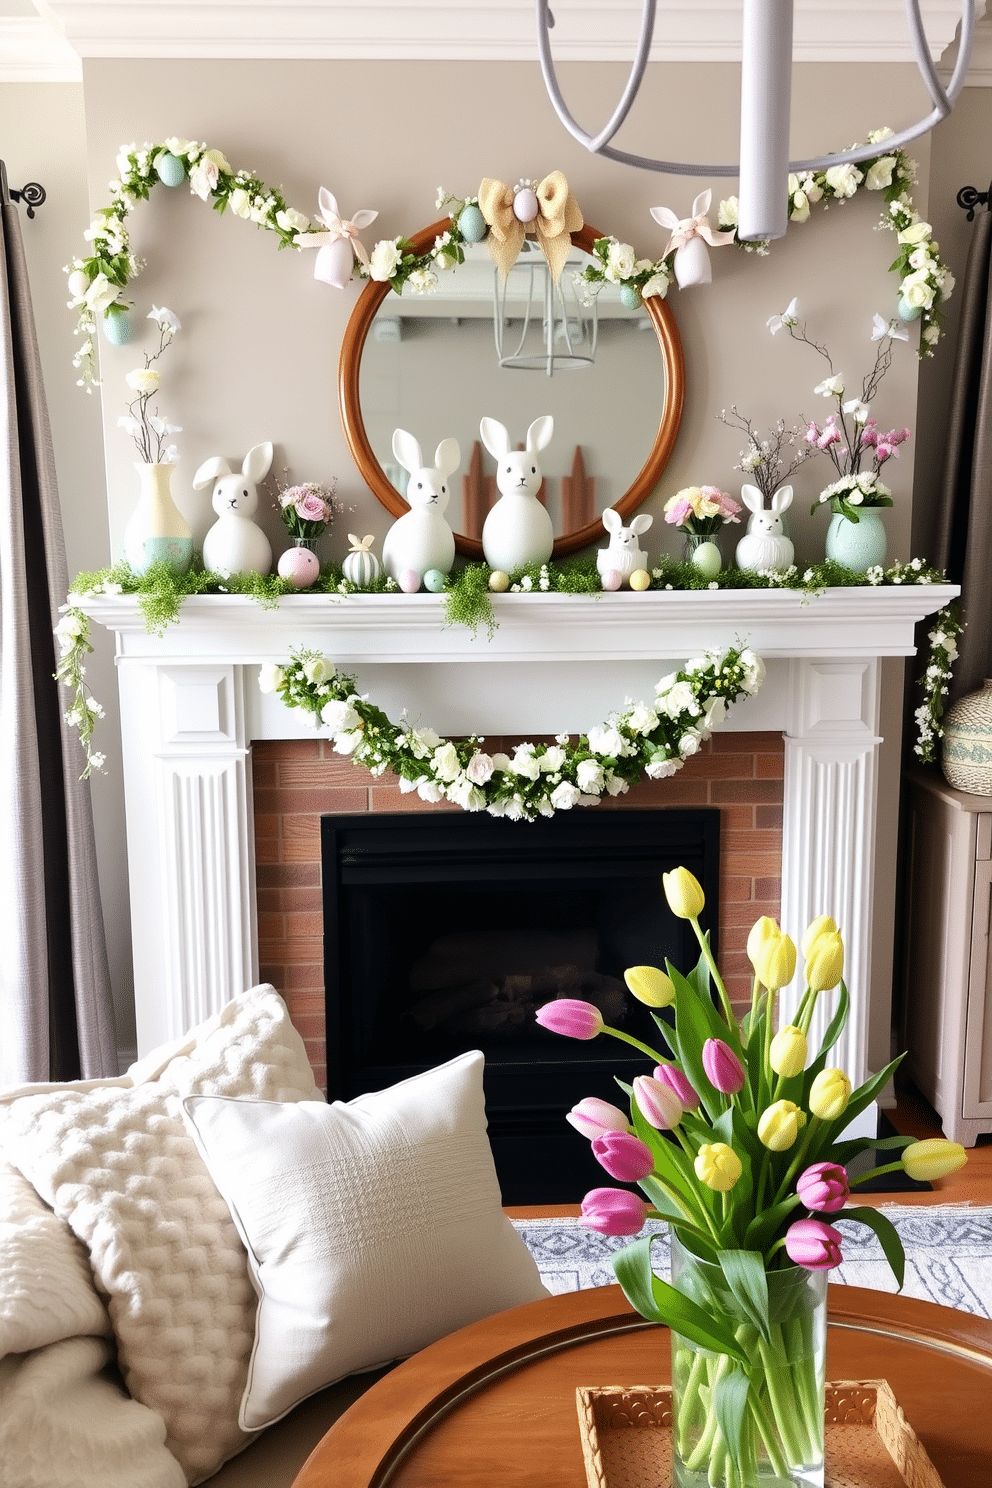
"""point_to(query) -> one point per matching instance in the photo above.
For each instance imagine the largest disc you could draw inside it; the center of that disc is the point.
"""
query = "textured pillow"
(117, 1163)
(372, 1227)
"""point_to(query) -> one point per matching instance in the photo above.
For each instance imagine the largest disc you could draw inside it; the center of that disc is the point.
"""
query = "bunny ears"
(339, 246)
(688, 240)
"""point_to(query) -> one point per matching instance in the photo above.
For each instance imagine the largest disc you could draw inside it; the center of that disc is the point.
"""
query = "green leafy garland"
(539, 779)
(99, 279)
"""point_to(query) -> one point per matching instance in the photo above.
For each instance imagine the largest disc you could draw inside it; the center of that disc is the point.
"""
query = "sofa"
(203, 1263)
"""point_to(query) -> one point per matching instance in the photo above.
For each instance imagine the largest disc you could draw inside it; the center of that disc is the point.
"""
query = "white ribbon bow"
(339, 230)
(689, 234)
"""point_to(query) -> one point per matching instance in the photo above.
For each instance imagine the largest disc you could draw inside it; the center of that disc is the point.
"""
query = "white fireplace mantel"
(190, 707)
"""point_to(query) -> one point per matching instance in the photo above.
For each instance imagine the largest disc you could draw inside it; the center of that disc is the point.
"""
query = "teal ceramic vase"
(856, 545)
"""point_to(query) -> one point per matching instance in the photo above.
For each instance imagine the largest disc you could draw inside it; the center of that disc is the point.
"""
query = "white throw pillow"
(372, 1227)
(115, 1160)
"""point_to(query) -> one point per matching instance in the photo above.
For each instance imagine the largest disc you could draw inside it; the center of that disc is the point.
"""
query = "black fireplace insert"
(445, 932)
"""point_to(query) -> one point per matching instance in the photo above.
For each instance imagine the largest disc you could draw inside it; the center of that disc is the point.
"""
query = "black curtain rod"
(32, 195)
(969, 198)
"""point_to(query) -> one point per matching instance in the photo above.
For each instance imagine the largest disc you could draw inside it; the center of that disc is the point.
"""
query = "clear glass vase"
(776, 1430)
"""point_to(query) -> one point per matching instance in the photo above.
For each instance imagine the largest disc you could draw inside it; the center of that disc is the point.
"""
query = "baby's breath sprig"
(942, 638)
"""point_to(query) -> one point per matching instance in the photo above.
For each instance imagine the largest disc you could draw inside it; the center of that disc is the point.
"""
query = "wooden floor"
(912, 1116)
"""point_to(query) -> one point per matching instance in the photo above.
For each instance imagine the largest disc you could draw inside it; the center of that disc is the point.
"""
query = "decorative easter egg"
(117, 326)
(612, 578)
(908, 312)
(630, 296)
(708, 559)
(78, 283)
(525, 205)
(639, 579)
(409, 581)
(361, 566)
(434, 580)
(170, 169)
(499, 581)
(300, 567)
(471, 224)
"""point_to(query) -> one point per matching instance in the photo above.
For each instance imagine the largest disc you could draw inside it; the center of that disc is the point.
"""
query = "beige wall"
(257, 357)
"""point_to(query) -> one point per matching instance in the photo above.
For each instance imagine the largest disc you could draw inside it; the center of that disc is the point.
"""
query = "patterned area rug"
(948, 1255)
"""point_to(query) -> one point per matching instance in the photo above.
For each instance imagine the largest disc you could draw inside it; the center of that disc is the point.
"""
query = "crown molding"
(980, 66)
(479, 30)
(31, 52)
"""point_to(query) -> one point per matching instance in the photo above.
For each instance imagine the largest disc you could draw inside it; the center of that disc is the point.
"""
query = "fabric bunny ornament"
(518, 529)
(421, 539)
(624, 555)
(690, 236)
(764, 545)
(235, 544)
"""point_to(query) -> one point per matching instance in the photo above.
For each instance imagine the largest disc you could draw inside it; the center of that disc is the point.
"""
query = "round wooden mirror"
(411, 361)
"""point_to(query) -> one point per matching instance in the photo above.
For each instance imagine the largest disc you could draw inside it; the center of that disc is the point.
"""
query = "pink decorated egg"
(300, 567)
(612, 579)
(525, 206)
(409, 581)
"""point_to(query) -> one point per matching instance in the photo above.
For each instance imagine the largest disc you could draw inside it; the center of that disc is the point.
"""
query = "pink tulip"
(675, 1079)
(624, 1156)
(592, 1117)
(571, 1017)
(824, 1187)
(813, 1244)
(723, 1069)
(657, 1103)
(613, 1211)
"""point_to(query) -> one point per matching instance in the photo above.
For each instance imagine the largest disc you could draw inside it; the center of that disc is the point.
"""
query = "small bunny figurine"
(235, 544)
(421, 539)
(763, 546)
(518, 529)
(624, 555)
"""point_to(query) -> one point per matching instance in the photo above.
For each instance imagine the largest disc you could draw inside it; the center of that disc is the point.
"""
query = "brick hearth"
(297, 781)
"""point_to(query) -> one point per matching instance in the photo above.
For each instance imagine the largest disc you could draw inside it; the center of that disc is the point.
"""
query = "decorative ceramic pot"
(703, 553)
(966, 751)
(360, 565)
(780, 1437)
(300, 564)
(157, 530)
(856, 545)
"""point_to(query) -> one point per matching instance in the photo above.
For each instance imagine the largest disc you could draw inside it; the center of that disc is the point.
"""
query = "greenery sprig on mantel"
(467, 601)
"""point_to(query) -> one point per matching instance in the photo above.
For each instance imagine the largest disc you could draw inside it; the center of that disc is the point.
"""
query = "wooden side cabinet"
(947, 981)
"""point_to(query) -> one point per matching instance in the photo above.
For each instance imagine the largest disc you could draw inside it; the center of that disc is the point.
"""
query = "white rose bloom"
(715, 712)
(240, 202)
(427, 790)
(175, 145)
(423, 281)
(446, 762)
(590, 776)
(514, 809)
(525, 764)
(641, 719)
(406, 786)
(620, 261)
(658, 769)
(666, 682)
(606, 741)
(917, 291)
(143, 379)
(502, 762)
(203, 177)
(551, 760)
(564, 796)
(880, 174)
(727, 215)
(101, 294)
(339, 716)
(679, 699)
(754, 670)
(688, 744)
(656, 285)
(813, 192)
(616, 785)
(318, 669)
(290, 220)
(918, 232)
(270, 677)
(384, 260)
(479, 769)
(844, 180)
(800, 207)
(466, 795)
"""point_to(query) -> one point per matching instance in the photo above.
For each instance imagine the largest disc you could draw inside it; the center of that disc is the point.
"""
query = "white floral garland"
(653, 739)
(98, 281)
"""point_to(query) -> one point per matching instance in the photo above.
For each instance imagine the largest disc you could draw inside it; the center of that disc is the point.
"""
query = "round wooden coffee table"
(493, 1405)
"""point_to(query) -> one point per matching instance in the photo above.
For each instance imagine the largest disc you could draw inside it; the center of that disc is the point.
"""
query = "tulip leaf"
(661, 1303)
(833, 1032)
(745, 1273)
(761, 1231)
(842, 1152)
(696, 1020)
(730, 1403)
(887, 1235)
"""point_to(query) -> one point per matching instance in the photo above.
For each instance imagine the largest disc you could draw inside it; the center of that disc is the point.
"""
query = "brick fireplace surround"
(297, 781)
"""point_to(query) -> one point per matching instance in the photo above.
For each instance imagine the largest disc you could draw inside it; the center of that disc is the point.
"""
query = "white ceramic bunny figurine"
(421, 539)
(518, 529)
(764, 546)
(235, 544)
(624, 554)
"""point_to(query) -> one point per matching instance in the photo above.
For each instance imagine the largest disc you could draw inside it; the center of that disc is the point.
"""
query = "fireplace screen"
(446, 932)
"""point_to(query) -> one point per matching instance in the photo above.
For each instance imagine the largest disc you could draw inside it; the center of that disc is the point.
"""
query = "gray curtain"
(56, 1012)
(964, 533)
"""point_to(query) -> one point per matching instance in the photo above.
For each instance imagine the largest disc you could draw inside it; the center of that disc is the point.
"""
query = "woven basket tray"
(627, 1441)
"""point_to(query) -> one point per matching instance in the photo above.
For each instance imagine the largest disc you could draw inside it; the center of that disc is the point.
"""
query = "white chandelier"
(766, 85)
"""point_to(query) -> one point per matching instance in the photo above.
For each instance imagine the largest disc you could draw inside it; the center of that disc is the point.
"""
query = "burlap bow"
(557, 218)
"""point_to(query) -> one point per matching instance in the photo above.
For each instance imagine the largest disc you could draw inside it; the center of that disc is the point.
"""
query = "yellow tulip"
(829, 1094)
(761, 931)
(787, 1054)
(825, 961)
(775, 965)
(650, 986)
(822, 925)
(934, 1158)
(718, 1166)
(779, 1125)
(684, 894)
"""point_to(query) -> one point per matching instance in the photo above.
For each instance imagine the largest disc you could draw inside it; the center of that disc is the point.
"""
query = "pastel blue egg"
(117, 327)
(471, 224)
(908, 312)
(170, 169)
(434, 580)
(629, 296)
